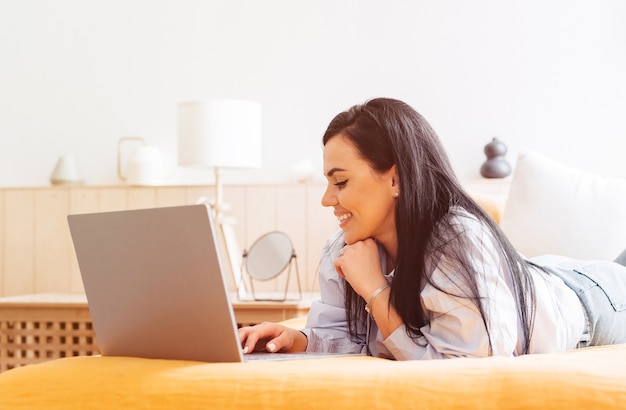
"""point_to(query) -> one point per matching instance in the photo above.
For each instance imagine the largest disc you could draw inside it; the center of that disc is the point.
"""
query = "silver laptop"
(155, 285)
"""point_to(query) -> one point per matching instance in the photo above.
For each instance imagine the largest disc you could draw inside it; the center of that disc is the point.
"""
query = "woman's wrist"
(372, 298)
(300, 341)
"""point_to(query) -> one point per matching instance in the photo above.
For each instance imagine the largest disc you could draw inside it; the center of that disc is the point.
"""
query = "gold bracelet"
(368, 306)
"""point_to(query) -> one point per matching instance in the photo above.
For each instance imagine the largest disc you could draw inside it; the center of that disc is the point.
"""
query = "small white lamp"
(221, 134)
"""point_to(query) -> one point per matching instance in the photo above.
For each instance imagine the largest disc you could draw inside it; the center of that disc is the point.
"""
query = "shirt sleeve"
(327, 327)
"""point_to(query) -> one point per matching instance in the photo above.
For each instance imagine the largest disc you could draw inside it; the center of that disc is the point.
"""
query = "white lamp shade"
(219, 133)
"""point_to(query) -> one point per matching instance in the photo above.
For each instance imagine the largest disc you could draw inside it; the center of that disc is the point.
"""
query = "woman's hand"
(271, 337)
(359, 264)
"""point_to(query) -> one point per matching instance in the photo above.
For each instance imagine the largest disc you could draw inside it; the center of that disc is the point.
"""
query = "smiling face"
(363, 199)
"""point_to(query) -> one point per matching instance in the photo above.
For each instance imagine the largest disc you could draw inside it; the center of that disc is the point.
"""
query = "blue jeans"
(601, 287)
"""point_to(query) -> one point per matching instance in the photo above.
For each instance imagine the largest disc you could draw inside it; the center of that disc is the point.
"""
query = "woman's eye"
(341, 183)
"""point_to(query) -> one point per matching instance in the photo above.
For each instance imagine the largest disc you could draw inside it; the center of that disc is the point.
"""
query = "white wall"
(77, 75)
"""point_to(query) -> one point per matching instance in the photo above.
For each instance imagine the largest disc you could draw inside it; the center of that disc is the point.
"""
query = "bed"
(580, 379)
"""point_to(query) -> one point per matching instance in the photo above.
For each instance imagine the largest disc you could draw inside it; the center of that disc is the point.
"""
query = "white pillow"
(554, 209)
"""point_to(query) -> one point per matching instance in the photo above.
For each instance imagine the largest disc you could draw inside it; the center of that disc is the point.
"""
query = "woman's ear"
(395, 183)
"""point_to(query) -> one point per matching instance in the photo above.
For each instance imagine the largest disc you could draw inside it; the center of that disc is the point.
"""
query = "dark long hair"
(389, 132)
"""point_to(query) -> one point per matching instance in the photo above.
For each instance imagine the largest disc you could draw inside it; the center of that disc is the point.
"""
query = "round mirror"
(269, 255)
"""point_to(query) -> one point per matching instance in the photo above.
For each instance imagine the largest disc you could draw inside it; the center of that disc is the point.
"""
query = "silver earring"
(395, 194)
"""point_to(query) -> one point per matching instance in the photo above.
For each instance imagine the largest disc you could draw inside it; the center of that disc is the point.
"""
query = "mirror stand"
(267, 258)
(284, 298)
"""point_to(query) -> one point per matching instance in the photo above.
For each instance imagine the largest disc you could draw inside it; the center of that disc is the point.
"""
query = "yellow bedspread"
(584, 379)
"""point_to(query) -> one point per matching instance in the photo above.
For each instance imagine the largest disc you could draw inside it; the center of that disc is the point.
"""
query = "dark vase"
(495, 166)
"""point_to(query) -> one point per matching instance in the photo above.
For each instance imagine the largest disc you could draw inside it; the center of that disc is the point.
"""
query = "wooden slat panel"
(291, 219)
(82, 200)
(321, 224)
(52, 240)
(19, 236)
(260, 219)
(140, 198)
(112, 199)
(235, 215)
(235, 199)
(255, 210)
(260, 214)
(170, 196)
(197, 193)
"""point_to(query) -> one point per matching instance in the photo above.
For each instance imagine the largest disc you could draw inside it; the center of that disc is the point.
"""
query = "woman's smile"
(343, 218)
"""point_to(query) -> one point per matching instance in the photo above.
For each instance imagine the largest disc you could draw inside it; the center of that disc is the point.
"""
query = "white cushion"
(555, 209)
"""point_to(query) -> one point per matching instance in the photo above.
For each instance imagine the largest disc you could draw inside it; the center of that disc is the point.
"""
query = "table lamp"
(221, 134)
